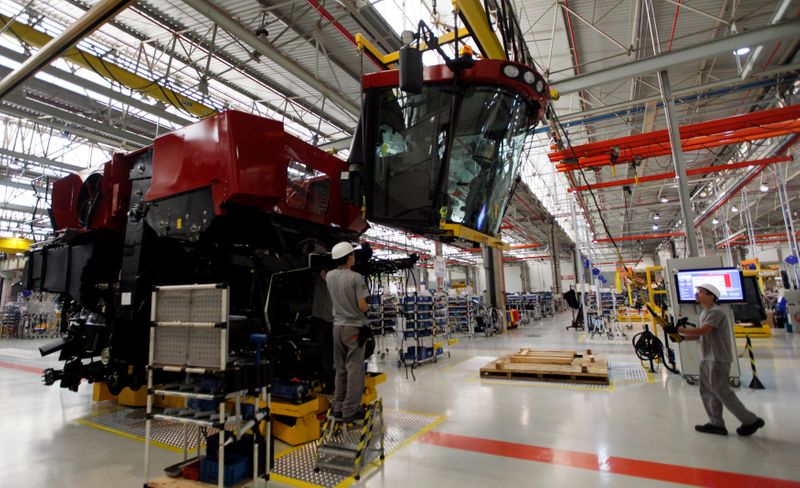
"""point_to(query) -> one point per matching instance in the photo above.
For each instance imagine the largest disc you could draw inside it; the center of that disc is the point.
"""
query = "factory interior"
(384, 243)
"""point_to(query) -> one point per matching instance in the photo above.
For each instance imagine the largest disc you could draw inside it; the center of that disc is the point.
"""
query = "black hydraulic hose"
(648, 347)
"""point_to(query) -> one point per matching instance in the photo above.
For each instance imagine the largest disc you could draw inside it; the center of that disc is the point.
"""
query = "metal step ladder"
(345, 449)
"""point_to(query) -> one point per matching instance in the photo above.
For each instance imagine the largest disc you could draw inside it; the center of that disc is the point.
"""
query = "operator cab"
(448, 154)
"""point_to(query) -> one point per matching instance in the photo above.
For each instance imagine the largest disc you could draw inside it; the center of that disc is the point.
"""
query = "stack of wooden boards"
(542, 365)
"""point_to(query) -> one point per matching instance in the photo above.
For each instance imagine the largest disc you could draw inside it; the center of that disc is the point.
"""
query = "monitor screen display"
(727, 280)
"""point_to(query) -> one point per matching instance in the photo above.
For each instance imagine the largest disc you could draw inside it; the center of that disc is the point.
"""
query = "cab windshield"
(426, 168)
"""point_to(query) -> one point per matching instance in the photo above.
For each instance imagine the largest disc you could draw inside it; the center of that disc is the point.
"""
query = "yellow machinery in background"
(655, 288)
(632, 279)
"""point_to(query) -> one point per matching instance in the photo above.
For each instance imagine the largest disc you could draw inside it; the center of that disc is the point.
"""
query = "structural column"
(674, 138)
(440, 266)
(556, 261)
(579, 261)
(495, 282)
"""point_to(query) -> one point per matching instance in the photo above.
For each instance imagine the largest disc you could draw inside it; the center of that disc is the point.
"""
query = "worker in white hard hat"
(713, 331)
(349, 297)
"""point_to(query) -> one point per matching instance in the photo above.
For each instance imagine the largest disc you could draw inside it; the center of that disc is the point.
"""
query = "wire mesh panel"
(191, 304)
(171, 346)
(190, 326)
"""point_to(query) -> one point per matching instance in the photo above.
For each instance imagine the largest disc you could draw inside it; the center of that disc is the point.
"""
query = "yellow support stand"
(297, 424)
(127, 397)
(130, 398)
(100, 393)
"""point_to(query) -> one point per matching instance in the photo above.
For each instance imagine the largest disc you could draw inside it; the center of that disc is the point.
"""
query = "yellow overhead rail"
(13, 245)
(389, 61)
(476, 26)
(107, 70)
(475, 19)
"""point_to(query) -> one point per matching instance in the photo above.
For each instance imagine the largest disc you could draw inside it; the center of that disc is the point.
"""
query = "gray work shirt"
(716, 345)
(346, 288)
(321, 306)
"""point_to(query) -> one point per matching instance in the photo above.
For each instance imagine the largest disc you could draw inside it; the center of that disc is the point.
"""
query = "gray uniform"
(715, 368)
(346, 288)
(321, 306)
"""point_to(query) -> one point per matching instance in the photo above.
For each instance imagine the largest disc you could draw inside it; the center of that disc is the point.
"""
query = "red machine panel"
(65, 202)
(94, 199)
(239, 155)
(485, 71)
(249, 160)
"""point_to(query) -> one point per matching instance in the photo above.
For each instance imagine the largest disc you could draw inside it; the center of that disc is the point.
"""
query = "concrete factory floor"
(638, 432)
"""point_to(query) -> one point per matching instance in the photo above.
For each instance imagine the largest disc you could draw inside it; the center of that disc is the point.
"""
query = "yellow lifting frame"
(651, 293)
(458, 230)
(390, 60)
(107, 70)
(474, 17)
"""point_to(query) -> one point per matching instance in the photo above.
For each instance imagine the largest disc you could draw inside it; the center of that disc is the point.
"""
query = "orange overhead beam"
(641, 237)
(696, 171)
(661, 137)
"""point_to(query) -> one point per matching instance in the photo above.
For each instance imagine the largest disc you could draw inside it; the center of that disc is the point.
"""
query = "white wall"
(513, 278)
(541, 276)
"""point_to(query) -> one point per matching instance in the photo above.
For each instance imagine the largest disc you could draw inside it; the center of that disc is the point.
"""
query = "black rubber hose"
(649, 347)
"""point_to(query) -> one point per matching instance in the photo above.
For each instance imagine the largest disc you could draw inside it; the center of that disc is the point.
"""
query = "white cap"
(341, 250)
(710, 288)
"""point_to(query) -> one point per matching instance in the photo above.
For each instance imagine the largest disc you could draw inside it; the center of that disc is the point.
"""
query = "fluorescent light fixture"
(764, 188)
(714, 221)
(734, 208)
(655, 226)
(742, 51)
(656, 217)
(664, 200)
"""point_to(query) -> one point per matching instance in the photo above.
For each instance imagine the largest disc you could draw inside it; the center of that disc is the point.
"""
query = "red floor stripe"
(19, 367)
(615, 465)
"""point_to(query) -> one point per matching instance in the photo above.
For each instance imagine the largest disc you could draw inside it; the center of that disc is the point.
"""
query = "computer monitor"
(753, 310)
(728, 280)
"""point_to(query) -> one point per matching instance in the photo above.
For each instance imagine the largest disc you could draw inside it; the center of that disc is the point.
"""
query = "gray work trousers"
(715, 391)
(348, 361)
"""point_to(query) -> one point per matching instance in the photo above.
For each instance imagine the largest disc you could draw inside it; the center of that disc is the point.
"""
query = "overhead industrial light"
(714, 221)
(742, 51)
(664, 200)
(764, 187)
(656, 217)
(734, 208)
(703, 194)
(655, 226)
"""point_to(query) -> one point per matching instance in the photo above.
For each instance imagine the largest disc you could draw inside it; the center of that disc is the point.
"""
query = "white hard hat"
(710, 288)
(341, 250)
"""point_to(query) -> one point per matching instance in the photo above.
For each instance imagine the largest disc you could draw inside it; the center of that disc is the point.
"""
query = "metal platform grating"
(626, 372)
(298, 464)
(130, 423)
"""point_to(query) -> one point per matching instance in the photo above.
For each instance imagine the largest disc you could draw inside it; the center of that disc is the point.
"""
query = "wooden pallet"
(564, 366)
